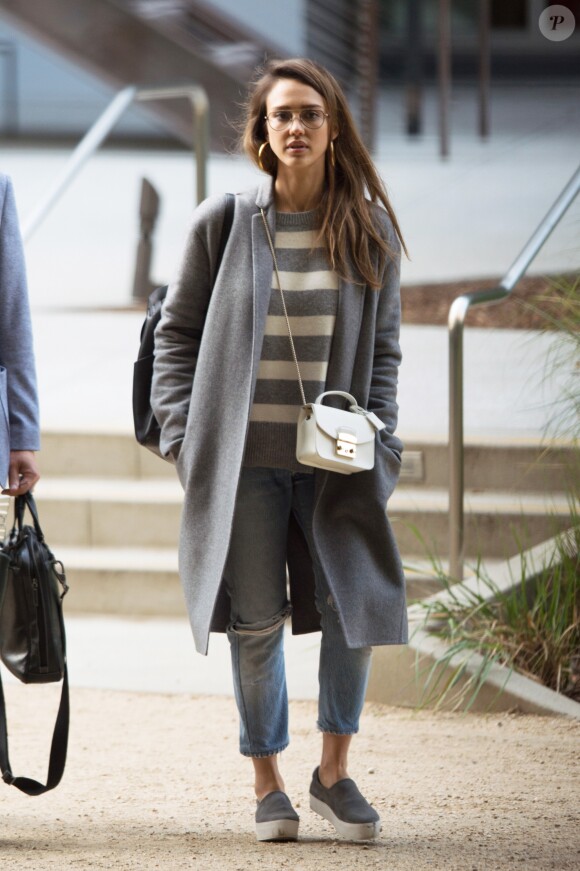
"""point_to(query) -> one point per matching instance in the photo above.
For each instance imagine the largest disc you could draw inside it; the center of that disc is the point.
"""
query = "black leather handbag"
(4, 563)
(32, 634)
(147, 430)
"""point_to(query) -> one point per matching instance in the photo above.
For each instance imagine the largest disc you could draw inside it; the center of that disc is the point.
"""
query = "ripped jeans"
(255, 577)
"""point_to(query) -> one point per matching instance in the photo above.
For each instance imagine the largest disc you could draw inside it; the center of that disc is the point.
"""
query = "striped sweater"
(311, 292)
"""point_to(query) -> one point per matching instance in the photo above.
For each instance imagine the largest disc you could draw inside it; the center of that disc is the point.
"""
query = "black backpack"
(147, 430)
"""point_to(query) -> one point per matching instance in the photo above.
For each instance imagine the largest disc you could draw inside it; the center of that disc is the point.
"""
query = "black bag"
(32, 635)
(147, 430)
(4, 563)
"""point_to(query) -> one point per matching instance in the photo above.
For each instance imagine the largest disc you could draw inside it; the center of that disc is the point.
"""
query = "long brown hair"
(347, 222)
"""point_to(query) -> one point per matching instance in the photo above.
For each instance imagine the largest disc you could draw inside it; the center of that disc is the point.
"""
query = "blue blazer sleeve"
(19, 424)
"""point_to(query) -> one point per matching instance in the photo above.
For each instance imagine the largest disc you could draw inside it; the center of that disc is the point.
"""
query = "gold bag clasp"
(346, 443)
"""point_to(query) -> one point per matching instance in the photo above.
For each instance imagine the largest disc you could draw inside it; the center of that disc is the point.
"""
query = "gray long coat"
(19, 429)
(216, 336)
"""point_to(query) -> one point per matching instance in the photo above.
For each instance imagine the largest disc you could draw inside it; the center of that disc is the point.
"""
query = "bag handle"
(352, 403)
(372, 418)
(20, 503)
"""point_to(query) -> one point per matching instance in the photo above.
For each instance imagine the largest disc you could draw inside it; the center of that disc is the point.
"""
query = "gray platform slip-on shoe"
(276, 819)
(346, 808)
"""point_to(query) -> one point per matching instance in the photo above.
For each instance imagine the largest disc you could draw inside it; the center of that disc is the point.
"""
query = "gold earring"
(260, 150)
(332, 155)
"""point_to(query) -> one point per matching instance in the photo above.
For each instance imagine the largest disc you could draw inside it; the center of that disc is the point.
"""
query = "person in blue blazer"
(19, 424)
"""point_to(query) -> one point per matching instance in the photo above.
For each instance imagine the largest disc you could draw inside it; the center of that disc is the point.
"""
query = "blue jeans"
(255, 577)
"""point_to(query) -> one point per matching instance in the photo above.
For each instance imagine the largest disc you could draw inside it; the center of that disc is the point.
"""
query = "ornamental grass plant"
(532, 628)
(559, 309)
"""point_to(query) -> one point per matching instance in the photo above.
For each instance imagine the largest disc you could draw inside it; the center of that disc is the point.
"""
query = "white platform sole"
(277, 830)
(352, 831)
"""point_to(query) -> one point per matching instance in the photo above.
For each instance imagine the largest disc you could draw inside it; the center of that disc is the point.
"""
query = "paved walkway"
(156, 782)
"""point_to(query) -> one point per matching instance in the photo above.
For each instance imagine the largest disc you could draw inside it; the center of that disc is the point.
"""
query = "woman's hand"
(22, 473)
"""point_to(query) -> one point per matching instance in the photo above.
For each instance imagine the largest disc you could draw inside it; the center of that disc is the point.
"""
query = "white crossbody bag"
(330, 438)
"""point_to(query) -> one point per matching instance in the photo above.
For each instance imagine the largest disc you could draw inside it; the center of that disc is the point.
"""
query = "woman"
(226, 395)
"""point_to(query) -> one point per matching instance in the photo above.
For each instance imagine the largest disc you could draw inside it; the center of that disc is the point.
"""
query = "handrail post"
(200, 139)
(200, 106)
(457, 314)
(456, 459)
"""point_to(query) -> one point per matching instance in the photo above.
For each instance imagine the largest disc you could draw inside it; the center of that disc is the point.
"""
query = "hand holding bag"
(330, 438)
(32, 635)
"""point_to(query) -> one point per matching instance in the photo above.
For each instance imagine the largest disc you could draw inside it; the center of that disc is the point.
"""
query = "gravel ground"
(156, 781)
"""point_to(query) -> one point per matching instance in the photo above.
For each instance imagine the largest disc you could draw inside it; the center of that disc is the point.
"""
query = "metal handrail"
(103, 126)
(457, 314)
(200, 109)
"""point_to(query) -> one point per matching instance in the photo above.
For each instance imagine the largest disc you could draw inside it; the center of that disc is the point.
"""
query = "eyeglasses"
(282, 118)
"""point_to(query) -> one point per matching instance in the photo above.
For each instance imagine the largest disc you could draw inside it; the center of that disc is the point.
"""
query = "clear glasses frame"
(281, 120)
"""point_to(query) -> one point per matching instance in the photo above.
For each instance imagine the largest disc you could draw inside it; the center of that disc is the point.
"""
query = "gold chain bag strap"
(330, 438)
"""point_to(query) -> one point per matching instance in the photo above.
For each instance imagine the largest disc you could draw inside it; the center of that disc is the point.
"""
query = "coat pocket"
(388, 461)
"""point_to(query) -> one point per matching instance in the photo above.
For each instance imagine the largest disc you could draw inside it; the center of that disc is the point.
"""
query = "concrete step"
(110, 512)
(103, 454)
(495, 464)
(489, 464)
(115, 512)
(141, 582)
(496, 523)
(144, 582)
